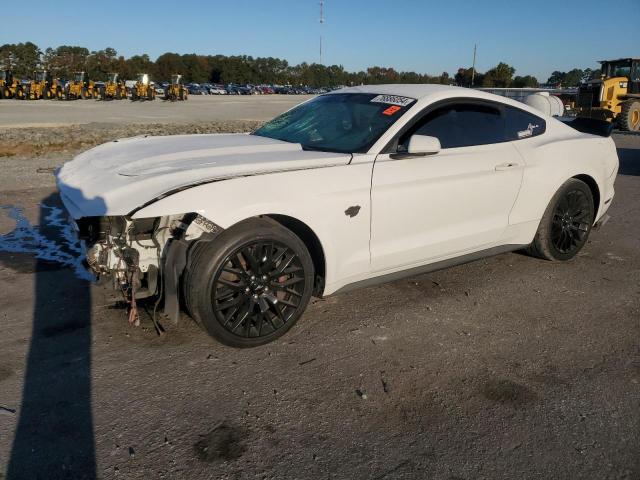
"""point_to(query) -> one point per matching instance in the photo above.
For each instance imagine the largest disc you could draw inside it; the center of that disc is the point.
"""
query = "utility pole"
(321, 22)
(473, 71)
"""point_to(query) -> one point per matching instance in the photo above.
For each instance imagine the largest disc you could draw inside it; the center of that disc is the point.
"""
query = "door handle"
(506, 166)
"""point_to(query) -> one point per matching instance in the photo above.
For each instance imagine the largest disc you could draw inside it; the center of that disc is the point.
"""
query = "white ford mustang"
(355, 187)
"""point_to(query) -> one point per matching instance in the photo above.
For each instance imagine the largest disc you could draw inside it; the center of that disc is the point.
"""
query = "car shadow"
(54, 437)
(629, 161)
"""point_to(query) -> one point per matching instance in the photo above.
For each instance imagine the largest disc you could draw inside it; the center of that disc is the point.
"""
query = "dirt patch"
(30, 142)
(508, 392)
(5, 373)
(223, 442)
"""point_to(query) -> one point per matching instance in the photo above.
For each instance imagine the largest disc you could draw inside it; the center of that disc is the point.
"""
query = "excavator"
(176, 89)
(80, 87)
(615, 96)
(114, 88)
(10, 86)
(43, 86)
(143, 89)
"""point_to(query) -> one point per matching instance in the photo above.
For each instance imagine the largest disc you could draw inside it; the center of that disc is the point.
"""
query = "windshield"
(143, 78)
(79, 77)
(340, 122)
(619, 69)
(113, 78)
(175, 79)
(40, 76)
(3, 75)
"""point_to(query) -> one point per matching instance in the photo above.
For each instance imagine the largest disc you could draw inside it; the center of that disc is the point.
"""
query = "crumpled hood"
(117, 177)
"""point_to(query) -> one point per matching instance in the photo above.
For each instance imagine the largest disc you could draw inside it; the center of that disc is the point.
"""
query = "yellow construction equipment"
(143, 90)
(615, 96)
(80, 87)
(176, 89)
(43, 86)
(114, 88)
(10, 86)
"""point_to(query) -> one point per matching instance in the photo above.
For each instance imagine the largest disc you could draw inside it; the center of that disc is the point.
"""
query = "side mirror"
(423, 145)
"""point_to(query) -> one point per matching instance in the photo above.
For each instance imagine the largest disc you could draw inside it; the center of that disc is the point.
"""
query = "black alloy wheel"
(258, 289)
(566, 223)
(250, 284)
(571, 221)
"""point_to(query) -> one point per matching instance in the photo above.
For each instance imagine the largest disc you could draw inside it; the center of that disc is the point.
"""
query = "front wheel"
(566, 223)
(629, 119)
(249, 285)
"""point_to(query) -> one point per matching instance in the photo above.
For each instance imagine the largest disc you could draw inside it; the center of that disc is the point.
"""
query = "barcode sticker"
(393, 100)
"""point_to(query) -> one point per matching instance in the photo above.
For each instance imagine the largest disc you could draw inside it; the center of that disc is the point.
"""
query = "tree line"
(24, 58)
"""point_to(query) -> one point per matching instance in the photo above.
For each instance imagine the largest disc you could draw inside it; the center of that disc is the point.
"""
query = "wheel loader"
(615, 96)
(176, 89)
(114, 88)
(80, 87)
(143, 89)
(10, 86)
(43, 86)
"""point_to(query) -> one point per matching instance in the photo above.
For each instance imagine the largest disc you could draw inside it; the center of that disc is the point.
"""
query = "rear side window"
(521, 124)
(462, 126)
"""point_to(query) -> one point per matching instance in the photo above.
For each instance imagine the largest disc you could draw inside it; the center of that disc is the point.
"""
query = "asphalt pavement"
(505, 368)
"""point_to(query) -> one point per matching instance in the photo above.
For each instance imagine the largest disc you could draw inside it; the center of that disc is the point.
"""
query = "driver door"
(429, 208)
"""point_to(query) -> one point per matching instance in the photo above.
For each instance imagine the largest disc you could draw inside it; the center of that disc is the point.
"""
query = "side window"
(521, 124)
(461, 126)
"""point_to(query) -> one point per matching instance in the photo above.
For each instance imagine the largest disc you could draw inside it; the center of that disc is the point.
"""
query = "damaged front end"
(143, 257)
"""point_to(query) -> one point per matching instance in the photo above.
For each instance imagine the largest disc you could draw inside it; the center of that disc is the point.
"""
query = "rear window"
(521, 124)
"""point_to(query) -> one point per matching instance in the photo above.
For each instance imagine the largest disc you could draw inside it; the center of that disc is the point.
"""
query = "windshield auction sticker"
(392, 100)
(391, 110)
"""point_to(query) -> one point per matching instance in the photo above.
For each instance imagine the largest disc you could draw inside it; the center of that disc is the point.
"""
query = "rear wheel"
(566, 223)
(251, 284)
(630, 116)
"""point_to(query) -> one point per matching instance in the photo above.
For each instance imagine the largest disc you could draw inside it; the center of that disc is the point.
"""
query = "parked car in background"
(353, 188)
(216, 90)
(196, 89)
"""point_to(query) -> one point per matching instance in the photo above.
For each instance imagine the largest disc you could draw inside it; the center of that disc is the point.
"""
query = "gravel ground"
(206, 108)
(505, 368)
(37, 152)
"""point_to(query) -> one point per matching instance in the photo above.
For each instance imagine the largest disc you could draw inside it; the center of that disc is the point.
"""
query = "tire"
(241, 306)
(630, 116)
(566, 223)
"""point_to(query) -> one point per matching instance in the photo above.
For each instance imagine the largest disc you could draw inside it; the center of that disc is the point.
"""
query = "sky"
(428, 36)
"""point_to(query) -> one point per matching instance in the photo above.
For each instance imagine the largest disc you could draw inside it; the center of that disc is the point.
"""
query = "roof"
(424, 91)
(418, 90)
(428, 93)
(620, 60)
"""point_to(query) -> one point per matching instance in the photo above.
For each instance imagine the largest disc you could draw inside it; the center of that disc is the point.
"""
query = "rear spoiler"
(594, 126)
